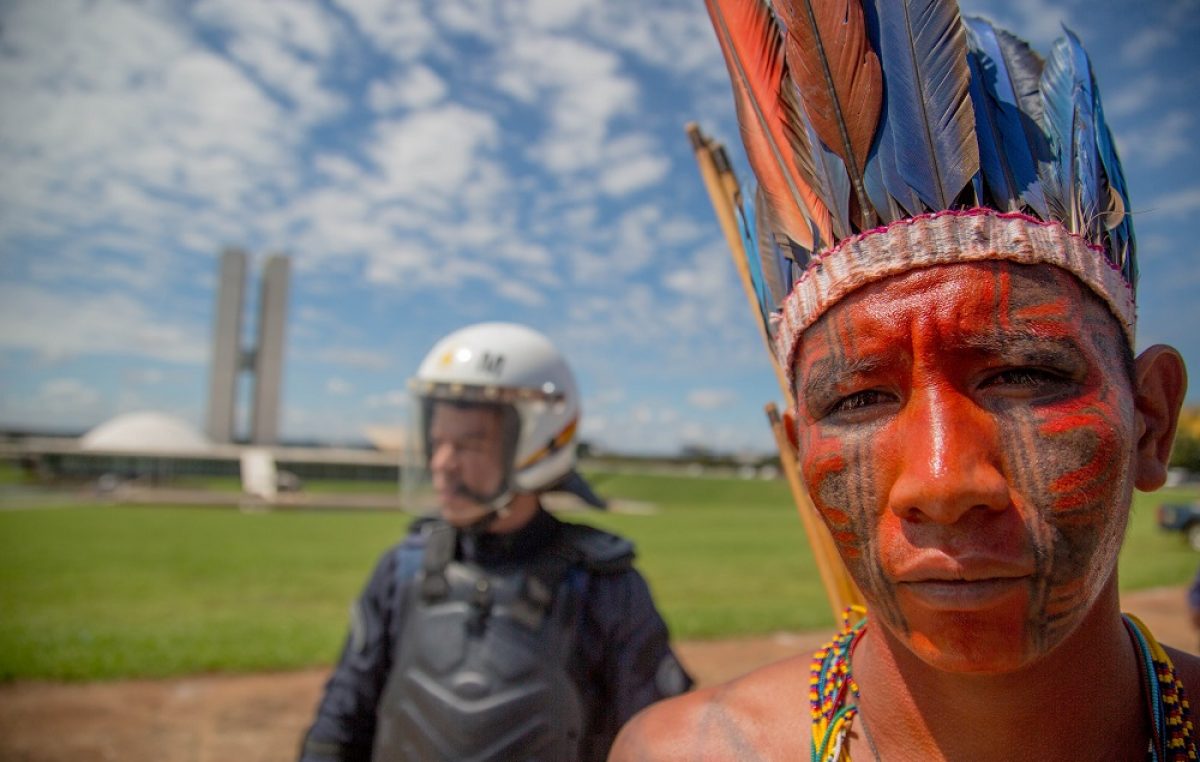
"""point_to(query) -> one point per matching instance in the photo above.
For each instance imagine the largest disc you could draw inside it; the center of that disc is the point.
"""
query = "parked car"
(1181, 517)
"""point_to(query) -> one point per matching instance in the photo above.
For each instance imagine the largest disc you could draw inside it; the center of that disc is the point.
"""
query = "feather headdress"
(893, 134)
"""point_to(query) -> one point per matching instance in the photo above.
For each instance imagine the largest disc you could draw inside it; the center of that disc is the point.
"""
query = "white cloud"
(297, 25)
(677, 36)
(338, 387)
(633, 162)
(145, 376)
(1133, 98)
(418, 87)
(330, 223)
(57, 403)
(1143, 43)
(479, 19)
(625, 177)
(640, 236)
(298, 80)
(281, 42)
(592, 426)
(338, 169)
(711, 399)
(522, 293)
(552, 14)
(1176, 204)
(663, 429)
(726, 439)
(700, 278)
(68, 392)
(1038, 21)
(402, 30)
(1158, 141)
(697, 319)
(1169, 25)
(367, 359)
(392, 398)
(117, 122)
(430, 156)
(584, 91)
(323, 424)
(58, 325)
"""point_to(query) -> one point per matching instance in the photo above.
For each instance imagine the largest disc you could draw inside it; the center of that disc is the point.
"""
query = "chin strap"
(498, 506)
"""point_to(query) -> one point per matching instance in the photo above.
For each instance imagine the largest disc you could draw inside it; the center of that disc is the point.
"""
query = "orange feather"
(830, 58)
(753, 49)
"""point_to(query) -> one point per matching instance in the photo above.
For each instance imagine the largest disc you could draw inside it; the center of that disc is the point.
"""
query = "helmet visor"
(461, 464)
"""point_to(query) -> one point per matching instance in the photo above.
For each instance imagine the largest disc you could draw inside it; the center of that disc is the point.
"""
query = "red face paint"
(966, 431)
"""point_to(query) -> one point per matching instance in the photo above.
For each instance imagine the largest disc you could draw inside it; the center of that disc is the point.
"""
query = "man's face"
(967, 433)
(466, 457)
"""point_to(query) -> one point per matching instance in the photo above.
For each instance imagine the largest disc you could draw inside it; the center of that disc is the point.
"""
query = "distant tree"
(1189, 420)
(1186, 453)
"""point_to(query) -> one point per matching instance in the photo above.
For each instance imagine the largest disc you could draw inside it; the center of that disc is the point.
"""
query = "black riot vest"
(482, 669)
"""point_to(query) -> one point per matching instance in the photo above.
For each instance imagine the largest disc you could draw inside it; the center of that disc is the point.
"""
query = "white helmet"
(509, 364)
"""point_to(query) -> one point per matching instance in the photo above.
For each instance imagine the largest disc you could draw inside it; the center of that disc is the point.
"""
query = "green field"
(91, 592)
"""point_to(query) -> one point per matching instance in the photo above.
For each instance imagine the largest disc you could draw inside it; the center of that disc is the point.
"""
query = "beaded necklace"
(833, 695)
(829, 683)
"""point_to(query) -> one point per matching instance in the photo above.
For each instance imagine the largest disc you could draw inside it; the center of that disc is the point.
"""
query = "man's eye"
(1028, 383)
(858, 401)
(1024, 377)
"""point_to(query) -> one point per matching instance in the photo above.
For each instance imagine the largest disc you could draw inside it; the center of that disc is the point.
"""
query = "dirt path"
(259, 718)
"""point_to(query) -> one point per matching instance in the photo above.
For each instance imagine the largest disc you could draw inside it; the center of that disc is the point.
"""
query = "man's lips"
(962, 595)
(454, 493)
(945, 583)
(941, 567)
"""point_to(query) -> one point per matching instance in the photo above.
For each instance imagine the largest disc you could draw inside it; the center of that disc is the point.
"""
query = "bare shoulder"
(760, 716)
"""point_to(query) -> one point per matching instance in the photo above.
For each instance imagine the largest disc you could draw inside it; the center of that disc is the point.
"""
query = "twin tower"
(263, 361)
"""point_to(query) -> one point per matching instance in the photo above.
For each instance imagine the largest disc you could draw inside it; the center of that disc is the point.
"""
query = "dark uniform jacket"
(622, 661)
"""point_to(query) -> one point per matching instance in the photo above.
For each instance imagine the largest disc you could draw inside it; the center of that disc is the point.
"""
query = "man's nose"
(443, 458)
(949, 459)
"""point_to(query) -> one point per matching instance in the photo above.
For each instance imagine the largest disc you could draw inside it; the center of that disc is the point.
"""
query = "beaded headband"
(888, 135)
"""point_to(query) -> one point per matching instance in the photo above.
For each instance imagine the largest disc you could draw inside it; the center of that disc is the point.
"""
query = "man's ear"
(1160, 380)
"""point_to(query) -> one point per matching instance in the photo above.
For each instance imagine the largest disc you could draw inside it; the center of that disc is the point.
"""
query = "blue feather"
(1007, 157)
(774, 266)
(1121, 229)
(873, 183)
(827, 175)
(1087, 160)
(1000, 182)
(1024, 69)
(926, 80)
(823, 170)
(746, 220)
(839, 184)
(889, 194)
(1069, 119)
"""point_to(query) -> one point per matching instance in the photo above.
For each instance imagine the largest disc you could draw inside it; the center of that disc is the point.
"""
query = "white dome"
(143, 432)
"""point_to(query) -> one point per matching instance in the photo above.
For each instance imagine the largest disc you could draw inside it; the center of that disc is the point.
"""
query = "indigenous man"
(496, 632)
(968, 415)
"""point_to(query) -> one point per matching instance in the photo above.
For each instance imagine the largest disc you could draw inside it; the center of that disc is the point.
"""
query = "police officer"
(496, 631)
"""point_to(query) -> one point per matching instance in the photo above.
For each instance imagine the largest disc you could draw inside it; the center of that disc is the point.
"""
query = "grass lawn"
(311, 486)
(103, 592)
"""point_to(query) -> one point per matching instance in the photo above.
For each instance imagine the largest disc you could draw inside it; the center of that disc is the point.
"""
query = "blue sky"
(432, 163)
